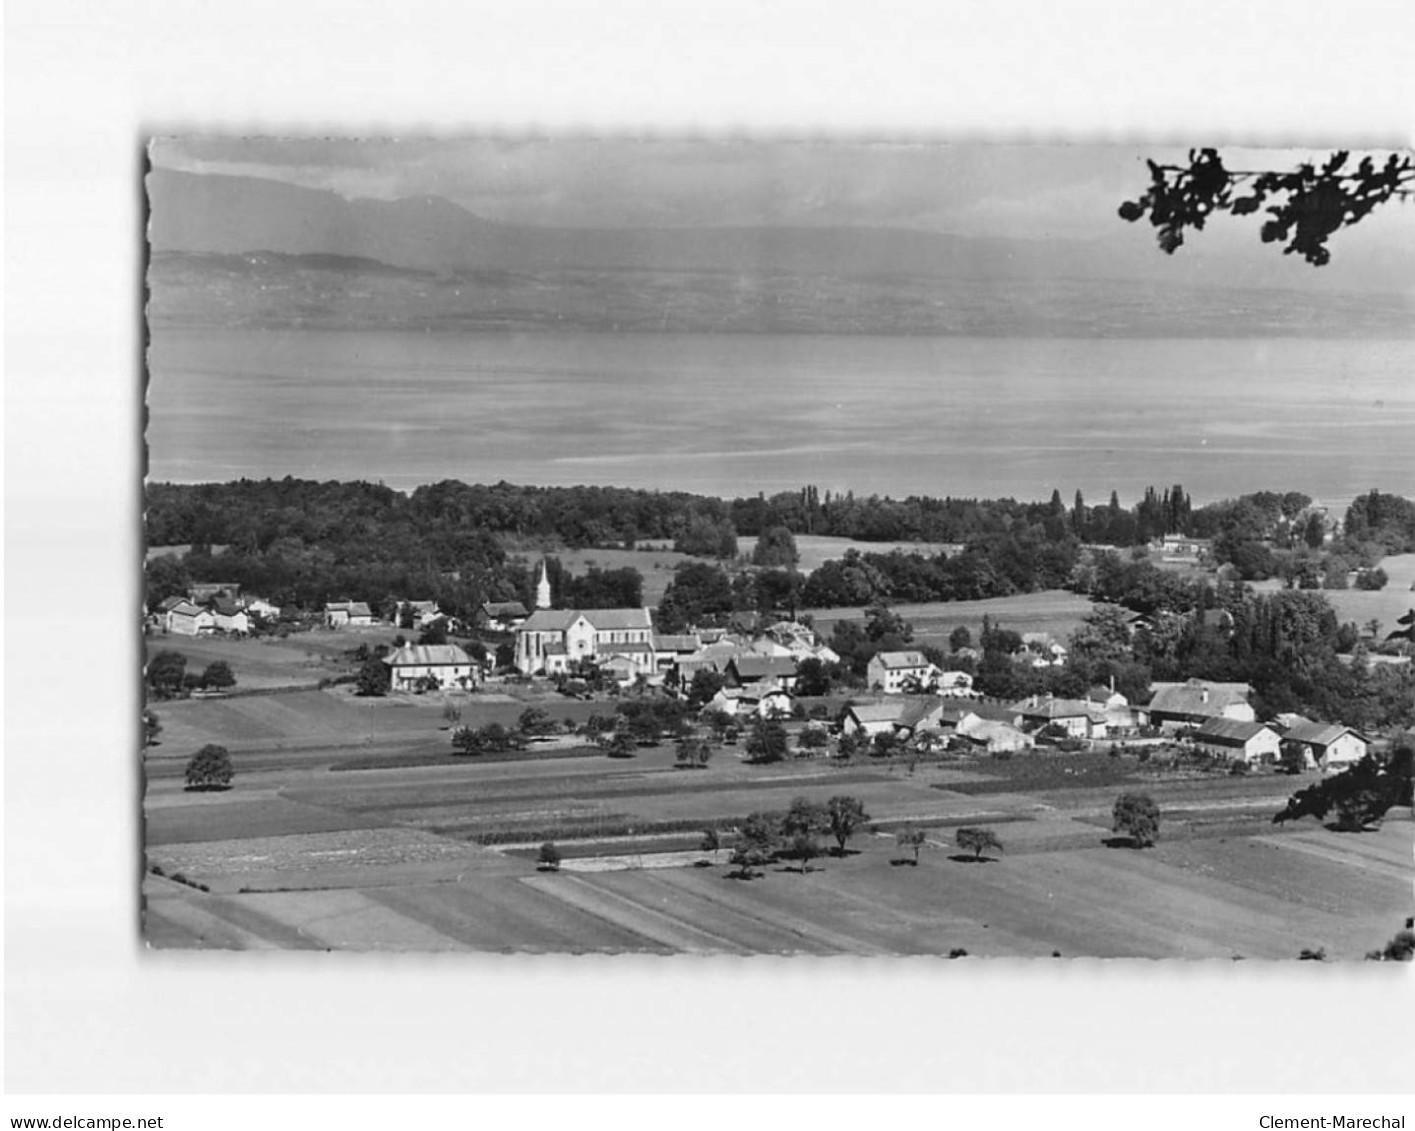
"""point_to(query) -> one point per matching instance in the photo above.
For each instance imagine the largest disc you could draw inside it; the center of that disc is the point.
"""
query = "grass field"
(1357, 606)
(383, 860)
(1053, 611)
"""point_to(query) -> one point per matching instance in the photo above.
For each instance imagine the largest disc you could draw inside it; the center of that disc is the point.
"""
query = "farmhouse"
(445, 663)
(350, 614)
(870, 719)
(186, 619)
(230, 615)
(1075, 716)
(891, 671)
(1238, 740)
(1328, 745)
(502, 616)
(672, 649)
(419, 614)
(1177, 705)
(200, 592)
(1119, 715)
(262, 609)
(993, 735)
(761, 671)
(583, 634)
(956, 685)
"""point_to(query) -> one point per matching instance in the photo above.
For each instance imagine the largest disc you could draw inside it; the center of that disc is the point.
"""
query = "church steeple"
(542, 588)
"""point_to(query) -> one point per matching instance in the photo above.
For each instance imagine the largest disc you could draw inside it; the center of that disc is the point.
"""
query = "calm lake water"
(729, 415)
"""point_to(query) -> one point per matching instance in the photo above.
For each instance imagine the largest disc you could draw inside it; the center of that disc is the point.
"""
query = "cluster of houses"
(209, 608)
(1217, 718)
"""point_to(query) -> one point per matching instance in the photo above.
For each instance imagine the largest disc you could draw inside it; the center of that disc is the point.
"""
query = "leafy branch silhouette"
(1306, 206)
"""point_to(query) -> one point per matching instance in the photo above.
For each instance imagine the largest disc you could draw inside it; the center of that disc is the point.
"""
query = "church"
(551, 639)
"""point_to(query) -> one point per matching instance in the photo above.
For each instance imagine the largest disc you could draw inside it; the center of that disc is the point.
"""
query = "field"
(1055, 611)
(389, 859)
(1357, 606)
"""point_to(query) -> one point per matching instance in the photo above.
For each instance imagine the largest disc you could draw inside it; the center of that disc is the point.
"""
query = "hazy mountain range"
(246, 251)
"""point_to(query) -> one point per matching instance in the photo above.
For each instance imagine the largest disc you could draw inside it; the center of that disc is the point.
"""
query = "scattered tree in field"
(1360, 796)
(703, 686)
(1306, 206)
(766, 742)
(977, 841)
(845, 816)
(151, 727)
(1138, 817)
(776, 546)
(960, 638)
(848, 746)
(466, 740)
(549, 858)
(1372, 579)
(812, 739)
(165, 674)
(711, 842)
(505, 656)
(619, 744)
(373, 679)
(755, 845)
(210, 768)
(535, 723)
(911, 839)
(800, 826)
(451, 712)
(693, 753)
(218, 675)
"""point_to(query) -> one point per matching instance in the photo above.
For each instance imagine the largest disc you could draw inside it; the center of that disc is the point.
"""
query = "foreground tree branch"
(1306, 206)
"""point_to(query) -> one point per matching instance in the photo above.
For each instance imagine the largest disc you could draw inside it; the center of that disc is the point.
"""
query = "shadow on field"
(901, 861)
(1121, 842)
(963, 858)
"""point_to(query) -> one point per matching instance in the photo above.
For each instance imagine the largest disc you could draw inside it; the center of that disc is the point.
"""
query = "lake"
(737, 414)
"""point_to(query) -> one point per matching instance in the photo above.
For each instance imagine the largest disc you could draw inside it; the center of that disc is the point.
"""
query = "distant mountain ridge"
(238, 215)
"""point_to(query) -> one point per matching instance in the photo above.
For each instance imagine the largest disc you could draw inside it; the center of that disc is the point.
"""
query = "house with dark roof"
(348, 614)
(752, 670)
(1238, 740)
(447, 664)
(502, 616)
(229, 614)
(200, 592)
(584, 634)
(1330, 746)
(893, 672)
(1075, 716)
(1174, 706)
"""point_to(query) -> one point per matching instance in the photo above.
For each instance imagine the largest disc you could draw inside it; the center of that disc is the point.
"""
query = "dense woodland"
(303, 543)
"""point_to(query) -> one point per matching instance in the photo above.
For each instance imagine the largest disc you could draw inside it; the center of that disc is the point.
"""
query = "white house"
(583, 634)
(993, 735)
(1329, 745)
(1075, 716)
(229, 615)
(955, 685)
(448, 664)
(260, 607)
(187, 619)
(351, 614)
(1238, 740)
(891, 671)
(502, 616)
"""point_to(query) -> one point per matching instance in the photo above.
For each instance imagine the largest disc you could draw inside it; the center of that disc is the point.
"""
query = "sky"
(972, 189)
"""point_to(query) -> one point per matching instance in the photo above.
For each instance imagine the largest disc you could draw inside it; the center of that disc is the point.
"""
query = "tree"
(1293, 758)
(693, 753)
(1138, 817)
(776, 546)
(911, 839)
(165, 673)
(845, 816)
(210, 768)
(373, 679)
(704, 685)
(435, 633)
(960, 638)
(755, 844)
(711, 842)
(534, 722)
(977, 841)
(766, 742)
(812, 677)
(620, 744)
(151, 727)
(465, 740)
(1307, 206)
(549, 857)
(812, 739)
(1360, 796)
(218, 675)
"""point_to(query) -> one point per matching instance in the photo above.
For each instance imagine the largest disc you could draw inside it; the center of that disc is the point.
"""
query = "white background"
(88, 1011)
